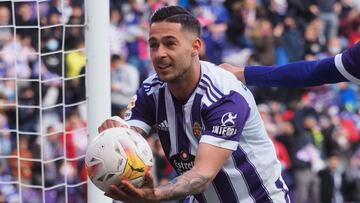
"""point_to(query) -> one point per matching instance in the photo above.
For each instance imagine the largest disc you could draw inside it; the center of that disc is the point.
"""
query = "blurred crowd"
(315, 130)
(43, 130)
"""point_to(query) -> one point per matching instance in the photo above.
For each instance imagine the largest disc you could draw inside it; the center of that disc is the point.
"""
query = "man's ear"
(196, 47)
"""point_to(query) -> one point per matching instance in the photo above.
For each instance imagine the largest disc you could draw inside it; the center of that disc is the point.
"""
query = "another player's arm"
(341, 68)
(197, 179)
(297, 74)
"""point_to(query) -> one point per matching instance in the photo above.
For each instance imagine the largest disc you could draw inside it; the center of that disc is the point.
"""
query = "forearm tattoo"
(189, 183)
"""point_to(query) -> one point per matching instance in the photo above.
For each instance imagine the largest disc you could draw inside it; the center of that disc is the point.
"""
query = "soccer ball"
(118, 152)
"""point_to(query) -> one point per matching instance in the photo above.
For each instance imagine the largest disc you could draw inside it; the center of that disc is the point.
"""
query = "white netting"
(42, 101)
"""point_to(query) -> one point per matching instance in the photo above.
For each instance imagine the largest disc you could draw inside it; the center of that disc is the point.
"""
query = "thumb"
(148, 178)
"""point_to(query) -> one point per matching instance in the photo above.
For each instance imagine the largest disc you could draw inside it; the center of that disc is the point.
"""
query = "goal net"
(43, 125)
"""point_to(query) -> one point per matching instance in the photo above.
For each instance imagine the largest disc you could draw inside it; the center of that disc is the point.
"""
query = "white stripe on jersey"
(205, 98)
(152, 84)
(210, 194)
(188, 128)
(340, 66)
(170, 112)
(242, 189)
(206, 80)
(140, 124)
(227, 144)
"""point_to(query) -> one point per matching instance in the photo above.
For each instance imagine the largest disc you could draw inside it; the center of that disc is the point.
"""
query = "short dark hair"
(115, 57)
(177, 14)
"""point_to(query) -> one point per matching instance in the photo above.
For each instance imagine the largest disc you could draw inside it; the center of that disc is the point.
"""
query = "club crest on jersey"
(227, 127)
(197, 130)
(131, 105)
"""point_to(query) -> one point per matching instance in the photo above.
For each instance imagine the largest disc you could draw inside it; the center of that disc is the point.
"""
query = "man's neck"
(183, 88)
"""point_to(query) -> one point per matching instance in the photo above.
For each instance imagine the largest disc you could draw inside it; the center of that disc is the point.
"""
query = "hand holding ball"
(118, 152)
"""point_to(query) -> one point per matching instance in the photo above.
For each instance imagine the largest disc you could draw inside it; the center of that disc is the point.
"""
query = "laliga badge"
(131, 105)
(197, 130)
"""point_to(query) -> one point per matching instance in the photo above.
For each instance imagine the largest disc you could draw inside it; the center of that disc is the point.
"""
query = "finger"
(103, 126)
(120, 185)
(112, 122)
(118, 194)
(110, 194)
(109, 124)
(100, 129)
(115, 124)
(129, 188)
(106, 125)
(120, 121)
(148, 177)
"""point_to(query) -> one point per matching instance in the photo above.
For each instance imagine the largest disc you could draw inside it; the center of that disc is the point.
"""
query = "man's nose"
(161, 51)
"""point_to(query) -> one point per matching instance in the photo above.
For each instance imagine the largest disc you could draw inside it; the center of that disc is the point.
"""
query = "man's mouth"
(163, 66)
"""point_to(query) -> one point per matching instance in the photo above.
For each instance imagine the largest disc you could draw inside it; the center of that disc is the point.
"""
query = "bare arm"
(193, 181)
(199, 177)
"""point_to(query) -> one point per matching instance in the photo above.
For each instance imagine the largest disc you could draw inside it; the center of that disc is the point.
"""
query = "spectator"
(124, 83)
(118, 33)
(293, 39)
(328, 16)
(352, 190)
(76, 135)
(314, 43)
(264, 42)
(331, 181)
(24, 14)
(306, 160)
(25, 166)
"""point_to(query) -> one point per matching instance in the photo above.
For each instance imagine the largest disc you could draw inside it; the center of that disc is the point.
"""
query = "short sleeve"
(141, 111)
(224, 121)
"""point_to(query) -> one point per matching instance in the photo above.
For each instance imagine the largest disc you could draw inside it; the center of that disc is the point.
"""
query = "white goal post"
(51, 100)
(98, 75)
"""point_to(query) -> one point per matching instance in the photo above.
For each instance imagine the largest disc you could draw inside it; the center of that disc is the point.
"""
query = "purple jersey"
(222, 112)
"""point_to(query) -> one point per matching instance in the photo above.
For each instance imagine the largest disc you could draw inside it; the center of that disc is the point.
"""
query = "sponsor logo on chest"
(182, 162)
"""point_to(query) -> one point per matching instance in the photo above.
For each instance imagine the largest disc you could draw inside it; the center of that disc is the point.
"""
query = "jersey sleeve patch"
(226, 118)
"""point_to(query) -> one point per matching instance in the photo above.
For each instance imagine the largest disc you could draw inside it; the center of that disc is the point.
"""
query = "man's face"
(171, 50)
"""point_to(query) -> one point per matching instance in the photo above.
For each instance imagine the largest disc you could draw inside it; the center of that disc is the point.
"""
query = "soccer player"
(207, 122)
(343, 67)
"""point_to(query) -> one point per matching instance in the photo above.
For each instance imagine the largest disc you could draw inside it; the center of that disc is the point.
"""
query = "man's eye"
(153, 45)
(170, 44)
